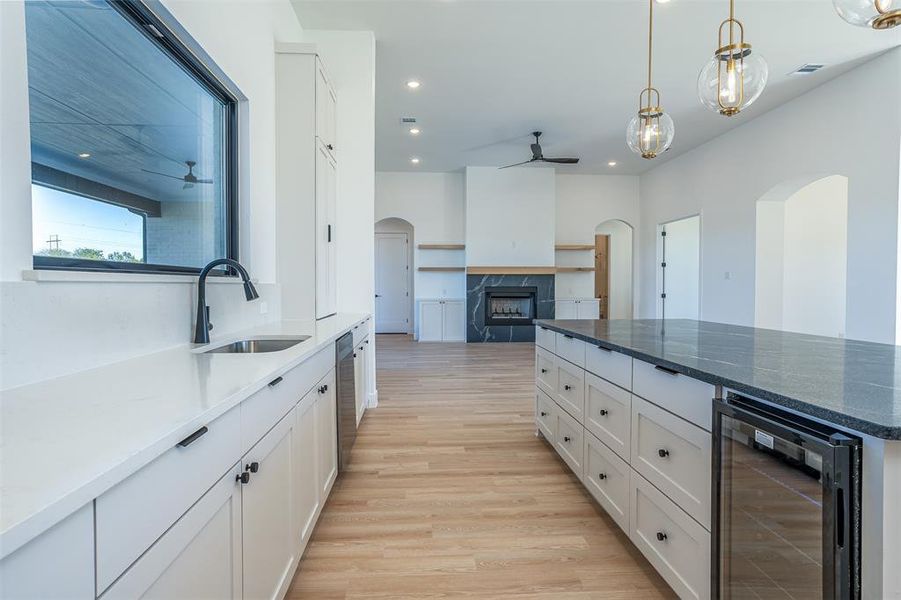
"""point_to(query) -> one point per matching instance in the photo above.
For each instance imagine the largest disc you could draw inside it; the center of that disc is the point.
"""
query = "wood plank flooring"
(450, 494)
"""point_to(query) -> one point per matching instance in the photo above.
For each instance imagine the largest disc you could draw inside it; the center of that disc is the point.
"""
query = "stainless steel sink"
(255, 346)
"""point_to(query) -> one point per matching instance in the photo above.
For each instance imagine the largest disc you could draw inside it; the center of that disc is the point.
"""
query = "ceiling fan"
(189, 178)
(537, 156)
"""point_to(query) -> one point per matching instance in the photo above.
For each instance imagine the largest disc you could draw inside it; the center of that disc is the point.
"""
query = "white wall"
(52, 328)
(619, 258)
(829, 130)
(802, 259)
(583, 203)
(510, 216)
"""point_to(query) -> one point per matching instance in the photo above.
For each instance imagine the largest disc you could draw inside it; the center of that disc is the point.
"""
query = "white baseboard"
(373, 400)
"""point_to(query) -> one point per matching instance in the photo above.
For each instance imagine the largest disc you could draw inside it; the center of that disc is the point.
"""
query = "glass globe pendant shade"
(650, 133)
(732, 81)
(878, 14)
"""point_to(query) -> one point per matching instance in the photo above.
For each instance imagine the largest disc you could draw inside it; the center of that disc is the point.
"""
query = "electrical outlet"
(264, 307)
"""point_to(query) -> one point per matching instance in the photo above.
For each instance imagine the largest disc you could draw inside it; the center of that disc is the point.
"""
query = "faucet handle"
(209, 325)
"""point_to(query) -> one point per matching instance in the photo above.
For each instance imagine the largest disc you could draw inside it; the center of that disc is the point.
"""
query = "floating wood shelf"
(575, 269)
(511, 270)
(443, 269)
(442, 246)
(574, 247)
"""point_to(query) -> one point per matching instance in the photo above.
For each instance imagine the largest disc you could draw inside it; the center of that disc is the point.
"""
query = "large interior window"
(132, 143)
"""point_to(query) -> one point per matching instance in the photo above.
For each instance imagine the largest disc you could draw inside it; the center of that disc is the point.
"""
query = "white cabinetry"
(442, 320)
(306, 470)
(637, 435)
(306, 182)
(327, 428)
(579, 308)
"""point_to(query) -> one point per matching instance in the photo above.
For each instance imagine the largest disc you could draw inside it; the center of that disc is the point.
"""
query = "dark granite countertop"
(852, 384)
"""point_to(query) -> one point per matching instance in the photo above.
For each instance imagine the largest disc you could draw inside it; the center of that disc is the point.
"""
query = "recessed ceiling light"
(612, 163)
(84, 155)
(662, 1)
(415, 161)
(413, 84)
(414, 131)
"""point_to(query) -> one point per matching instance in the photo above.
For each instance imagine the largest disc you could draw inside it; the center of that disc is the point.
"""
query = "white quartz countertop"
(65, 441)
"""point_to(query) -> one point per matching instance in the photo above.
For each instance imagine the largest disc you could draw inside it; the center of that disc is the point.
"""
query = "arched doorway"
(801, 257)
(613, 269)
(393, 276)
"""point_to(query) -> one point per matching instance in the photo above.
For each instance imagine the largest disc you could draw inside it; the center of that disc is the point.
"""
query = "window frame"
(151, 19)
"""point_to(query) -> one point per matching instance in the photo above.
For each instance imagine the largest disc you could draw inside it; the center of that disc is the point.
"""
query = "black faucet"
(202, 324)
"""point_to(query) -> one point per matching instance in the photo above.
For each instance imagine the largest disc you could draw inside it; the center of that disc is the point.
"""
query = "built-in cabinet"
(442, 320)
(638, 437)
(306, 182)
(578, 308)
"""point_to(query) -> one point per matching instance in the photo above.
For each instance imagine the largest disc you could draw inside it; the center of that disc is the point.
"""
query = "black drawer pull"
(665, 370)
(243, 477)
(604, 349)
(661, 536)
(567, 387)
(567, 439)
(544, 370)
(193, 437)
(253, 467)
(543, 414)
(602, 476)
(567, 336)
(603, 412)
(275, 382)
(662, 452)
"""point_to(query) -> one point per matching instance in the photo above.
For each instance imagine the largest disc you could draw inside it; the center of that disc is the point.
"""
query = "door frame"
(409, 255)
(603, 306)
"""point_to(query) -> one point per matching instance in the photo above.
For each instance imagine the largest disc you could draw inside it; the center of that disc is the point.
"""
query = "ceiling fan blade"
(561, 161)
(204, 181)
(525, 162)
(187, 186)
(163, 174)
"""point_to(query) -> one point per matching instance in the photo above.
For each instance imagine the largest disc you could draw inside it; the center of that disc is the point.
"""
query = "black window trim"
(157, 24)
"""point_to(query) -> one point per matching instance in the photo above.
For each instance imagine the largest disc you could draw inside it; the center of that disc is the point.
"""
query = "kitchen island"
(611, 395)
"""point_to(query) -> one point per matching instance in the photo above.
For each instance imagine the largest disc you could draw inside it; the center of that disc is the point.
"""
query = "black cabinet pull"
(544, 370)
(330, 239)
(243, 477)
(567, 387)
(193, 437)
(275, 382)
(602, 476)
(253, 467)
(567, 439)
(604, 349)
(662, 452)
(603, 412)
(543, 414)
(666, 370)
(355, 354)
(567, 336)
(661, 536)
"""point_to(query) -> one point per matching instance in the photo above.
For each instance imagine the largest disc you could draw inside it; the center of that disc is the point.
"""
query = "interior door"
(679, 249)
(602, 274)
(392, 287)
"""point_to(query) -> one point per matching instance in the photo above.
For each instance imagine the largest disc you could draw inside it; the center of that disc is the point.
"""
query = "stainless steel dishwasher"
(346, 398)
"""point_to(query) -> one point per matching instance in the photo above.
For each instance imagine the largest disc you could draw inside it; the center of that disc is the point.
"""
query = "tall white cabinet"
(306, 183)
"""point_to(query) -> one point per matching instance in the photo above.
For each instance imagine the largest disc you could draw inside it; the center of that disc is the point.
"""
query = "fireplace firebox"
(510, 305)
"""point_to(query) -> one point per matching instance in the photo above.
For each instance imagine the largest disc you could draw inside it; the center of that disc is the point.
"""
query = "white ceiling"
(494, 70)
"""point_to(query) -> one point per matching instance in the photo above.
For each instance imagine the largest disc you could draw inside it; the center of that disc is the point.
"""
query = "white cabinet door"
(323, 232)
(454, 319)
(326, 109)
(359, 380)
(198, 557)
(565, 309)
(268, 513)
(59, 563)
(332, 208)
(431, 321)
(587, 309)
(327, 432)
(306, 467)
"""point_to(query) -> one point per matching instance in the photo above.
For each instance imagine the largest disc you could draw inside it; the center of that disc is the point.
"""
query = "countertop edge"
(44, 518)
(839, 419)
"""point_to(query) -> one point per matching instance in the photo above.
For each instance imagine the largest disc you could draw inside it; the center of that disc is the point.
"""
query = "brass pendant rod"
(650, 38)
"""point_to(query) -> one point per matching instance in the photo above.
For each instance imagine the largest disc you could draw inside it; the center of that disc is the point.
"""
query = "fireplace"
(510, 305)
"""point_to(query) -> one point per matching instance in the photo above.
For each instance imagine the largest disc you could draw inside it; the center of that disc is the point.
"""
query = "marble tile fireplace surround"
(500, 308)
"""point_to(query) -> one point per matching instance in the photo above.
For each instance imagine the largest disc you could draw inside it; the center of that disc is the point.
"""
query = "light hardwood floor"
(450, 494)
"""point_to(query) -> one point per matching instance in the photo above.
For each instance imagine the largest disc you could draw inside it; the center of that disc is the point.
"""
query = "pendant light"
(878, 14)
(651, 130)
(734, 77)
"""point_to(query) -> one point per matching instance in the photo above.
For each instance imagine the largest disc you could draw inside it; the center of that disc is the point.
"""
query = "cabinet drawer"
(570, 393)
(571, 349)
(264, 409)
(360, 331)
(674, 455)
(672, 541)
(545, 338)
(606, 476)
(608, 414)
(689, 398)
(133, 514)
(568, 441)
(545, 415)
(609, 364)
(545, 371)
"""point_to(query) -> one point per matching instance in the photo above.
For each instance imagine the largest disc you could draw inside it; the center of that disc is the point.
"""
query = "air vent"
(806, 69)
(408, 120)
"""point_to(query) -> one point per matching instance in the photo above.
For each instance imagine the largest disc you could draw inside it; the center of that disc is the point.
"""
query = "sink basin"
(256, 346)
